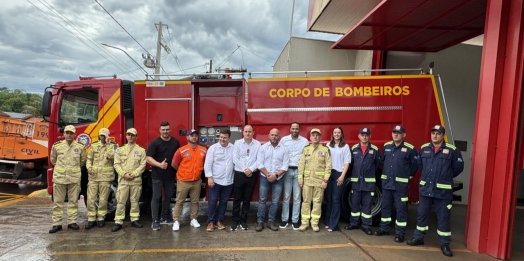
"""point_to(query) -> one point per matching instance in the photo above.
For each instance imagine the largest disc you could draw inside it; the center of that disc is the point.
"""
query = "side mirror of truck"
(46, 104)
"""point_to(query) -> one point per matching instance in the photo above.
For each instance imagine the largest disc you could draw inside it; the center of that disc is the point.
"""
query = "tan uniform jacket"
(314, 165)
(100, 159)
(130, 159)
(67, 161)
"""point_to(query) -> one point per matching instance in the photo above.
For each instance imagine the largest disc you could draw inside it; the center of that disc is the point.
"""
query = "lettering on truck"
(29, 151)
(339, 91)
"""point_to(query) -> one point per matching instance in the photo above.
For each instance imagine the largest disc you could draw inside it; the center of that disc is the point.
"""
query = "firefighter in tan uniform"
(314, 169)
(130, 162)
(100, 169)
(67, 157)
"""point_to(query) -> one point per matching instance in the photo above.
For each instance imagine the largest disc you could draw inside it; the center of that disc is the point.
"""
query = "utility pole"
(210, 66)
(158, 51)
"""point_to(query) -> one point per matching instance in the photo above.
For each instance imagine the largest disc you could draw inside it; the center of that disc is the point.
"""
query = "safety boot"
(314, 226)
(304, 225)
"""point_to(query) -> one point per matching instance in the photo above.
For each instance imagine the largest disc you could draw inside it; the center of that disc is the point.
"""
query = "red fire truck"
(212, 101)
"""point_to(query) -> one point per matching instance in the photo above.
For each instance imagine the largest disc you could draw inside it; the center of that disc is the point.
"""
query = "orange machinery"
(23, 147)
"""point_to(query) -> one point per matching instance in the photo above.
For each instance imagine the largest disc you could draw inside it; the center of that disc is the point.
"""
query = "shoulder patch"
(58, 142)
(374, 147)
(409, 145)
(387, 143)
(424, 145)
(354, 146)
(451, 146)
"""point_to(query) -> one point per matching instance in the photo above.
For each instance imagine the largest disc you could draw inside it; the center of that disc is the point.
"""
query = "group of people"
(291, 167)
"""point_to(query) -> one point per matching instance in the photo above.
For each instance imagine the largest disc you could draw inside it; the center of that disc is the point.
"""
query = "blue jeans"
(333, 195)
(276, 191)
(220, 194)
(291, 185)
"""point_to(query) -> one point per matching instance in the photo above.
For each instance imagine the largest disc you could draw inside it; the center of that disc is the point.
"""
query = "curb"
(38, 193)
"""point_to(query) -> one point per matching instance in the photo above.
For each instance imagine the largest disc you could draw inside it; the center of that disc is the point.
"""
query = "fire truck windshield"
(79, 107)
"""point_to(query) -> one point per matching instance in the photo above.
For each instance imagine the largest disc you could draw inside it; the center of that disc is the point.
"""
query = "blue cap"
(365, 131)
(191, 132)
(439, 128)
(398, 128)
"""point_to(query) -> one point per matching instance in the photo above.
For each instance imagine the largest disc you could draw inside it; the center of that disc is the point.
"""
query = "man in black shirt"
(159, 153)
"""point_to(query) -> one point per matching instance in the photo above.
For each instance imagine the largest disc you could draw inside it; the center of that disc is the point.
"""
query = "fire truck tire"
(345, 210)
(111, 204)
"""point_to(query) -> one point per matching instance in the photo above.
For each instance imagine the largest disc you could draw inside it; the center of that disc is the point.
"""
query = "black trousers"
(169, 187)
(243, 187)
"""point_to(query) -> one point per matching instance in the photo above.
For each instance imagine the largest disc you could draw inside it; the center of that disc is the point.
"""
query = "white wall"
(459, 68)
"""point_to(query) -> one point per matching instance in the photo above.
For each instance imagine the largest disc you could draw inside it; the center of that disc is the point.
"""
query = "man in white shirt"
(245, 160)
(295, 144)
(273, 161)
(219, 172)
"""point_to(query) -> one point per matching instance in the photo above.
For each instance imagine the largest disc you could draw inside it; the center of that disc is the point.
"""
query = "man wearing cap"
(219, 169)
(130, 162)
(294, 143)
(366, 161)
(189, 163)
(160, 152)
(440, 162)
(399, 165)
(67, 156)
(273, 160)
(100, 174)
(314, 170)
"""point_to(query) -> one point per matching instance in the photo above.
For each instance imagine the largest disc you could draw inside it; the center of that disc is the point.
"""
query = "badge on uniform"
(404, 150)
(76, 150)
(188, 155)
(388, 149)
(427, 151)
(445, 151)
(320, 153)
(371, 151)
(137, 153)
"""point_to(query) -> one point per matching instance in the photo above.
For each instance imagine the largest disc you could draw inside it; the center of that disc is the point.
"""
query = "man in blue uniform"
(440, 162)
(400, 164)
(366, 160)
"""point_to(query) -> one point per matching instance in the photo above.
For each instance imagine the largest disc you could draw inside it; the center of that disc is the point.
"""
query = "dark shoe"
(415, 242)
(136, 224)
(283, 224)
(90, 224)
(381, 232)
(234, 226)
(259, 226)
(73, 226)
(296, 225)
(367, 231)
(101, 223)
(399, 238)
(155, 225)
(116, 227)
(272, 226)
(243, 225)
(55, 229)
(446, 251)
(166, 221)
(350, 227)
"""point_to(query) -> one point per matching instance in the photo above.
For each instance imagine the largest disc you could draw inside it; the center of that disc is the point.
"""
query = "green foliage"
(20, 101)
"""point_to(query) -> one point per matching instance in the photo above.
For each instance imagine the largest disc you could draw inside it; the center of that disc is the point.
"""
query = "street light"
(136, 63)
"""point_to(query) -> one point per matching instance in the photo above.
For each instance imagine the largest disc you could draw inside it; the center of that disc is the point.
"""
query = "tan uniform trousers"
(100, 189)
(124, 192)
(59, 194)
(311, 194)
(182, 189)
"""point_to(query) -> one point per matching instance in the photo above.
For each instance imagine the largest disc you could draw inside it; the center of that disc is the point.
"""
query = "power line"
(64, 18)
(227, 58)
(71, 32)
(242, 56)
(255, 54)
(173, 49)
(183, 70)
(121, 25)
(164, 72)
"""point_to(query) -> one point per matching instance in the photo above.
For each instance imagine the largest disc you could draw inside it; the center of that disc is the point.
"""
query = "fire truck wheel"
(111, 204)
(375, 206)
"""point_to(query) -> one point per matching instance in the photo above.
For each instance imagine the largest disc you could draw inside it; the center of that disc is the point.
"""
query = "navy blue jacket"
(400, 164)
(438, 170)
(365, 166)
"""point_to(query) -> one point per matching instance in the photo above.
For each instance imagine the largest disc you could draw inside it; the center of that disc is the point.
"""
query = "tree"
(16, 100)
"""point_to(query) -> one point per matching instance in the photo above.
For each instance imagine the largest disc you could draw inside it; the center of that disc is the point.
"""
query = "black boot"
(101, 223)
(90, 224)
(116, 227)
(73, 226)
(55, 229)
(136, 224)
(381, 232)
(446, 250)
(367, 231)
(350, 227)
(415, 242)
(399, 238)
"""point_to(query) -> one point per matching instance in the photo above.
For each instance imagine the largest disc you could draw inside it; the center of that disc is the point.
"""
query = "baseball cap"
(439, 128)
(131, 131)
(70, 128)
(191, 132)
(104, 131)
(398, 128)
(315, 130)
(365, 131)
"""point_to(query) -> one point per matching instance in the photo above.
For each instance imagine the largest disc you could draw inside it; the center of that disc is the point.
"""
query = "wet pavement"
(24, 225)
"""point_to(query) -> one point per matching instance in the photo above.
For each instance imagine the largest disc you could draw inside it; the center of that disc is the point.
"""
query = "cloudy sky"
(44, 41)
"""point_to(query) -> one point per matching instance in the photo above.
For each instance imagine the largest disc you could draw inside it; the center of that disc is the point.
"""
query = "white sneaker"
(194, 223)
(176, 226)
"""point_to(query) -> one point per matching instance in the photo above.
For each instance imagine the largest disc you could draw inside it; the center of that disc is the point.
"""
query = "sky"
(45, 41)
